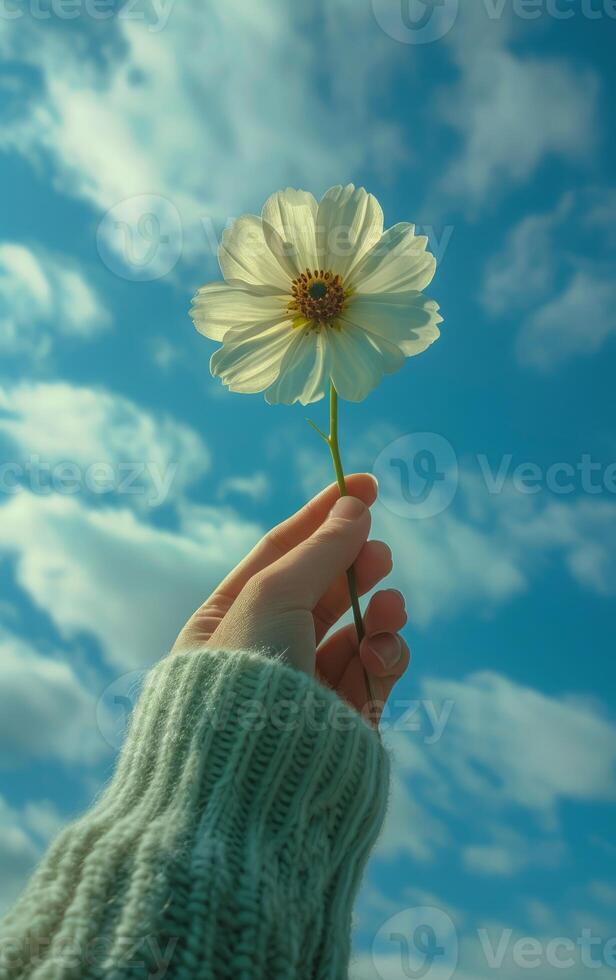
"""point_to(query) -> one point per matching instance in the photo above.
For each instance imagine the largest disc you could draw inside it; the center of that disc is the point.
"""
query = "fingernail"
(350, 508)
(387, 648)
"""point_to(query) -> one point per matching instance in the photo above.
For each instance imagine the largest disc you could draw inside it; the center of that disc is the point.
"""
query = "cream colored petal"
(284, 252)
(397, 262)
(409, 320)
(246, 258)
(349, 223)
(219, 307)
(292, 214)
(304, 372)
(359, 360)
(250, 359)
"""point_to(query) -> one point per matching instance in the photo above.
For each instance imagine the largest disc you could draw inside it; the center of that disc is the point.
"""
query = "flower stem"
(334, 448)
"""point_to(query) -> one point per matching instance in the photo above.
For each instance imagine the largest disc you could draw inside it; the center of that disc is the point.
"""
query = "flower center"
(317, 296)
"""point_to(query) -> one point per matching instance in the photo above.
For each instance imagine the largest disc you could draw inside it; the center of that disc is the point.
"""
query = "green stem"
(334, 448)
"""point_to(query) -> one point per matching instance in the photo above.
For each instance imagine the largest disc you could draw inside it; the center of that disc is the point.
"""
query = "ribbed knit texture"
(228, 844)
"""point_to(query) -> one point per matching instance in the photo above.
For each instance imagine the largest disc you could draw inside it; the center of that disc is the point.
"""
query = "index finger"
(291, 532)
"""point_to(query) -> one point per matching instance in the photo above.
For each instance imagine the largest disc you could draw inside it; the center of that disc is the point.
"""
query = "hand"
(291, 589)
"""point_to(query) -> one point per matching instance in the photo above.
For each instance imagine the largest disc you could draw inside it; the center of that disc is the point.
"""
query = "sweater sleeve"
(229, 842)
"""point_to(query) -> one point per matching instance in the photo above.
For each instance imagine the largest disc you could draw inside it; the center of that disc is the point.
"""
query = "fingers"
(297, 528)
(352, 685)
(383, 653)
(303, 576)
(373, 563)
(385, 671)
(385, 613)
(306, 521)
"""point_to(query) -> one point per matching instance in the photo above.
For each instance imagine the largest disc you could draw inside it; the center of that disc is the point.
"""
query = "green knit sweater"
(229, 842)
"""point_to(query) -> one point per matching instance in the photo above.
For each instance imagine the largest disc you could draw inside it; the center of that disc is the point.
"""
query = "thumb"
(306, 572)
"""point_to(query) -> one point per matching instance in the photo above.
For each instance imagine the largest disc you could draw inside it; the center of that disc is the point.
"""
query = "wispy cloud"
(577, 322)
(44, 297)
(567, 300)
(255, 486)
(511, 111)
(107, 574)
(506, 749)
(46, 711)
(24, 831)
(258, 132)
(91, 440)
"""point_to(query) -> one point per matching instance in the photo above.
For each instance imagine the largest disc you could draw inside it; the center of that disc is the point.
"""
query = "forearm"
(229, 843)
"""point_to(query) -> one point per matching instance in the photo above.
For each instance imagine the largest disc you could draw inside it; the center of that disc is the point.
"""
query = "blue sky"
(131, 480)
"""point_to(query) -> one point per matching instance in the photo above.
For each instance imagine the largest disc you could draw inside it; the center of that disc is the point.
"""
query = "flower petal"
(292, 214)
(304, 372)
(246, 258)
(219, 307)
(409, 320)
(349, 223)
(359, 360)
(250, 359)
(397, 262)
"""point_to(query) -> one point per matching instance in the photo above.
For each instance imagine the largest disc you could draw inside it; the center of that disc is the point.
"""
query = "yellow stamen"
(318, 297)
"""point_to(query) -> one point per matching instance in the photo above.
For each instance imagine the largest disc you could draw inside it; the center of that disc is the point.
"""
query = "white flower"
(317, 293)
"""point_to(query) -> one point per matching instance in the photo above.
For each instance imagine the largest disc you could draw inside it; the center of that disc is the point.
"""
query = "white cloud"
(455, 564)
(107, 574)
(42, 819)
(583, 532)
(23, 834)
(255, 486)
(487, 547)
(601, 211)
(18, 854)
(238, 131)
(508, 853)
(45, 710)
(506, 748)
(511, 111)
(43, 296)
(577, 321)
(117, 446)
(411, 827)
(496, 859)
(525, 269)
(164, 353)
(543, 272)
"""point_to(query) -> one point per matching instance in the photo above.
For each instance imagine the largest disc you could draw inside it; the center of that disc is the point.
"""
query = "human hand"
(291, 590)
